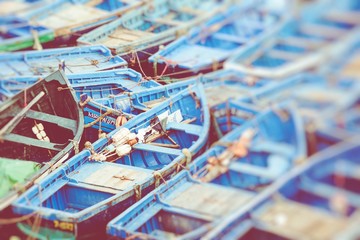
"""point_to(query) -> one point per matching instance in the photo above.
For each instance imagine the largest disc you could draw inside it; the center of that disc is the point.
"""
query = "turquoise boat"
(142, 31)
(97, 184)
(208, 45)
(40, 128)
(323, 31)
(219, 182)
(323, 192)
(67, 17)
(70, 60)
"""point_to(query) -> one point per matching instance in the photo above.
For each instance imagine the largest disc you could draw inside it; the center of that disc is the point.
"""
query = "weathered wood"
(293, 220)
(106, 178)
(210, 199)
(16, 138)
(45, 117)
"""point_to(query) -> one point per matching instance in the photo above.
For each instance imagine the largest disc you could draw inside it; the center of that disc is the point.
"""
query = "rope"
(137, 190)
(196, 99)
(179, 165)
(64, 88)
(188, 155)
(139, 63)
(87, 100)
(17, 219)
(158, 176)
(76, 145)
(216, 125)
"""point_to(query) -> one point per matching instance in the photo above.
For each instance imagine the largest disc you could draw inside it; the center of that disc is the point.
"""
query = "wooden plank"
(188, 128)
(153, 103)
(152, 148)
(61, 121)
(210, 199)
(111, 177)
(16, 138)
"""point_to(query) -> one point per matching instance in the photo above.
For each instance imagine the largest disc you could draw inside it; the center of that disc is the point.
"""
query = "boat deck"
(210, 199)
(294, 220)
(71, 14)
(109, 177)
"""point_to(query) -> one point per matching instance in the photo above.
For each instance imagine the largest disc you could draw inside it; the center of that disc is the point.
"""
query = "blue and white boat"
(319, 200)
(224, 178)
(70, 60)
(141, 32)
(207, 46)
(115, 172)
(103, 96)
(321, 33)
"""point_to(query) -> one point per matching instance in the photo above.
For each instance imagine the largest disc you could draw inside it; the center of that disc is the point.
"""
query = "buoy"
(123, 150)
(121, 137)
(120, 120)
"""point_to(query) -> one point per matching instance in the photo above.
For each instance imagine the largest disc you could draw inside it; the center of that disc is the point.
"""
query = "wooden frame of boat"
(40, 124)
(70, 60)
(193, 203)
(154, 24)
(318, 35)
(332, 204)
(115, 185)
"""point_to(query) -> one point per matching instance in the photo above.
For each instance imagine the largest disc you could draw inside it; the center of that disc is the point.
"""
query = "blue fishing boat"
(70, 60)
(113, 173)
(224, 178)
(40, 128)
(207, 46)
(323, 30)
(17, 33)
(68, 17)
(139, 33)
(97, 85)
(347, 124)
(321, 101)
(319, 200)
